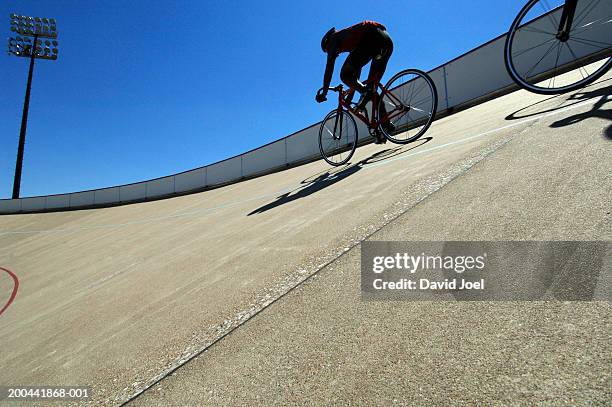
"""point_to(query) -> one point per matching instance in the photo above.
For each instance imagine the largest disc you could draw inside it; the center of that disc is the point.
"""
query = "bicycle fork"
(567, 19)
(339, 115)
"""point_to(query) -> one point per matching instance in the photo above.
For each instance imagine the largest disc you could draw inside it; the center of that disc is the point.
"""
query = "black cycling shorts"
(375, 45)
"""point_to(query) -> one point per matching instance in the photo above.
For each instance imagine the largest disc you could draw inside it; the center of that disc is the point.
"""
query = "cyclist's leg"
(381, 49)
(351, 70)
(384, 49)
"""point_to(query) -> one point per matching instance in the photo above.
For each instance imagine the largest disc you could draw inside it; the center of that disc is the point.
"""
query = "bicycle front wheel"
(408, 106)
(338, 137)
(552, 48)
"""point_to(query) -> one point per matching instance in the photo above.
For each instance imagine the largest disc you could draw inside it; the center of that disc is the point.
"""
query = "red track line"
(14, 293)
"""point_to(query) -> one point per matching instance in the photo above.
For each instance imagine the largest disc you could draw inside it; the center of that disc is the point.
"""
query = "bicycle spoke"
(585, 12)
(580, 68)
(420, 110)
(535, 30)
(330, 133)
(421, 87)
(538, 63)
(390, 95)
(556, 65)
(549, 13)
(532, 48)
(412, 93)
(590, 42)
(402, 89)
(410, 117)
(427, 98)
(589, 26)
(332, 141)
(390, 104)
(398, 114)
(405, 88)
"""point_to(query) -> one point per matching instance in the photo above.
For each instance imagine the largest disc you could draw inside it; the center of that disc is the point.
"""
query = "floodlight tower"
(27, 44)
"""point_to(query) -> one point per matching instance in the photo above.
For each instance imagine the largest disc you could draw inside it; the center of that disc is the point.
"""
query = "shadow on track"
(596, 111)
(394, 152)
(577, 97)
(330, 177)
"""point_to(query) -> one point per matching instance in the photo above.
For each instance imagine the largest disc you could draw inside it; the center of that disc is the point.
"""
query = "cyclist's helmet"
(326, 38)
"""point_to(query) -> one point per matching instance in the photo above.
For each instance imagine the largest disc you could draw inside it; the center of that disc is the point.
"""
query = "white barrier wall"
(107, 196)
(190, 180)
(468, 79)
(133, 192)
(33, 204)
(82, 199)
(269, 157)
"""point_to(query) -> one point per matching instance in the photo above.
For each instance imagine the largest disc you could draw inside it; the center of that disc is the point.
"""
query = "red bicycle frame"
(345, 96)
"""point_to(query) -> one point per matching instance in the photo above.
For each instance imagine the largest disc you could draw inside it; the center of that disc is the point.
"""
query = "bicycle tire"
(523, 82)
(431, 112)
(350, 145)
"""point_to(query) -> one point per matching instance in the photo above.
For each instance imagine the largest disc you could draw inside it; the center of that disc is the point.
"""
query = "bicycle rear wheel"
(338, 137)
(542, 59)
(410, 103)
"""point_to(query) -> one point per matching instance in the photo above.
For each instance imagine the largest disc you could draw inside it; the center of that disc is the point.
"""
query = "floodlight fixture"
(24, 26)
(34, 26)
(34, 48)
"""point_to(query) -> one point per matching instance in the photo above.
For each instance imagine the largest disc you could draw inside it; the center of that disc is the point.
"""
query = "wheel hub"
(563, 36)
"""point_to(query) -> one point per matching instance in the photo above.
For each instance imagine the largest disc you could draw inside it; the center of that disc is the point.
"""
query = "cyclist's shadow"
(596, 111)
(321, 182)
(576, 98)
(329, 178)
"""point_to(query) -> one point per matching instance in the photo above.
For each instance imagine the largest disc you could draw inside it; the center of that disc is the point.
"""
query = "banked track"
(117, 298)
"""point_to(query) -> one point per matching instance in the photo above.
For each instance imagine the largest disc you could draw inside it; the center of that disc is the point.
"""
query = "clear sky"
(144, 89)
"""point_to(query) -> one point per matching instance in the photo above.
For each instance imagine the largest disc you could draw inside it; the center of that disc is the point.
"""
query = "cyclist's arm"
(329, 69)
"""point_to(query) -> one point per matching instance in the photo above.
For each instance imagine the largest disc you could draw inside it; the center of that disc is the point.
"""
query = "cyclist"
(366, 41)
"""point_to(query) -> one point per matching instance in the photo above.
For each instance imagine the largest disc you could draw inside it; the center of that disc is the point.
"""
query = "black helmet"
(326, 38)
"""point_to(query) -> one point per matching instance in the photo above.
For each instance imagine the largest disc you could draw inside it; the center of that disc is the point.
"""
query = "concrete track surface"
(191, 298)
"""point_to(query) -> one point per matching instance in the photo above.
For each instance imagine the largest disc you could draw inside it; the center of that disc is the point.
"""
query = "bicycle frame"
(339, 132)
(345, 96)
(567, 19)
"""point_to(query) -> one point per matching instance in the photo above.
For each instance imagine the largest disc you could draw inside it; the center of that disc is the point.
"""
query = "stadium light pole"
(27, 44)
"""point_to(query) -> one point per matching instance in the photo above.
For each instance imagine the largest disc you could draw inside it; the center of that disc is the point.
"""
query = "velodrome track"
(118, 298)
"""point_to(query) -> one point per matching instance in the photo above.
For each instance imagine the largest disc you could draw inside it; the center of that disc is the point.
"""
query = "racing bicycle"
(401, 111)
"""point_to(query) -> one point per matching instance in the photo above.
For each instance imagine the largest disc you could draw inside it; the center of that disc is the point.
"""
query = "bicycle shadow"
(331, 177)
(596, 111)
(323, 181)
(396, 151)
(578, 97)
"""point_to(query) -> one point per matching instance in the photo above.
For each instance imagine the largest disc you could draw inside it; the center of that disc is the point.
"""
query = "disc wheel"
(544, 60)
(410, 104)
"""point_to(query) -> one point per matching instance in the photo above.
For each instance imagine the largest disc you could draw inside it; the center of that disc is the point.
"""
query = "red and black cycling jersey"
(347, 39)
(364, 41)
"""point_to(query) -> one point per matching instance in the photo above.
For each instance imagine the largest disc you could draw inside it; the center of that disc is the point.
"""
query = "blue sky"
(144, 89)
